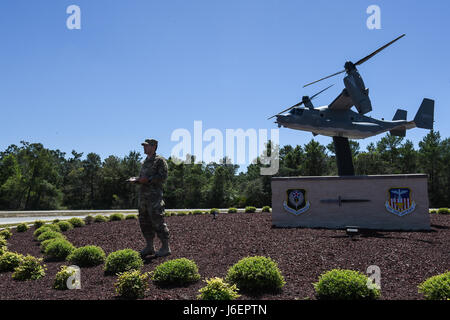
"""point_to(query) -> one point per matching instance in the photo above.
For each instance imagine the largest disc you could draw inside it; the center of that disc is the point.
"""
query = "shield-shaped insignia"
(296, 201)
(400, 202)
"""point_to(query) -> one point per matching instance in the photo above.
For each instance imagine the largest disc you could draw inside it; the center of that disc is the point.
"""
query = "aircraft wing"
(342, 102)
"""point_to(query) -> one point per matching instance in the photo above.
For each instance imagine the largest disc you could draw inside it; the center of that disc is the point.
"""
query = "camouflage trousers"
(151, 218)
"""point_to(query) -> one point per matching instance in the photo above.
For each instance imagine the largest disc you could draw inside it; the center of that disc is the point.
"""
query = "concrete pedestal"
(381, 202)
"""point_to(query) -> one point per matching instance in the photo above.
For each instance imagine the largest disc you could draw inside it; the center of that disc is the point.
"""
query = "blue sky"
(140, 69)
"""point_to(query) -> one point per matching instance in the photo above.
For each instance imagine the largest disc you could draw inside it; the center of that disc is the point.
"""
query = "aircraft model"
(338, 120)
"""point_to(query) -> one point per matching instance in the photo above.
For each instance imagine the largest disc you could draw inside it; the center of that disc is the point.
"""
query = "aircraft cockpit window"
(296, 111)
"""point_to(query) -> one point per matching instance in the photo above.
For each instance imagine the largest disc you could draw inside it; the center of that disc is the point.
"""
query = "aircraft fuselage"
(337, 123)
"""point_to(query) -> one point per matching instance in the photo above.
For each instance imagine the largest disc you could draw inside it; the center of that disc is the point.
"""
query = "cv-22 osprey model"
(337, 120)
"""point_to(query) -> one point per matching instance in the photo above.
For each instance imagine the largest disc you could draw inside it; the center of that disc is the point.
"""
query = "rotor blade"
(320, 92)
(295, 105)
(334, 74)
(378, 50)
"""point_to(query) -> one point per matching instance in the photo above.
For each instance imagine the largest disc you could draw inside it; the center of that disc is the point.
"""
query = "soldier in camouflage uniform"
(151, 204)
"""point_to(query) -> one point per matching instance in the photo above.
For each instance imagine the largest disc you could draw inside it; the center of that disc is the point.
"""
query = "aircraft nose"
(280, 120)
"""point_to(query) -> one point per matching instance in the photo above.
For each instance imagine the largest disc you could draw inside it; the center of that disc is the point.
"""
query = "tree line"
(33, 177)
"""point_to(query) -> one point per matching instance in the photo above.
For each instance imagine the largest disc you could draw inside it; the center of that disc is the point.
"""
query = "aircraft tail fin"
(425, 115)
(400, 115)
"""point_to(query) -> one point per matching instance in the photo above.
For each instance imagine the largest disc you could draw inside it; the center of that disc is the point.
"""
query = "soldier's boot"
(149, 249)
(165, 249)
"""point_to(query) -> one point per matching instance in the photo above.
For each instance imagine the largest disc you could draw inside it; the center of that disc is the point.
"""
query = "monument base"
(380, 202)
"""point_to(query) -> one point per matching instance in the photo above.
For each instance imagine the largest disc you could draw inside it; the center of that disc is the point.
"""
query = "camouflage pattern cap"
(150, 142)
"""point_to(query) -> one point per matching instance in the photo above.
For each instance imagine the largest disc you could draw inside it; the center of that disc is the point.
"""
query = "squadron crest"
(400, 201)
(296, 201)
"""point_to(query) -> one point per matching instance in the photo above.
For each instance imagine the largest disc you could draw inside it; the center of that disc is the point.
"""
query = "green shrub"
(45, 243)
(38, 224)
(56, 221)
(100, 218)
(436, 287)
(250, 209)
(443, 211)
(131, 217)
(195, 212)
(50, 235)
(87, 256)
(123, 260)
(62, 276)
(340, 284)
(22, 227)
(214, 210)
(58, 250)
(132, 284)
(6, 233)
(29, 269)
(64, 225)
(176, 272)
(432, 211)
(265, 209)
(232, 210)
(9, 261)
(256, 274)
(116, 217)
(3, 245)
(217, 289)
(45, 228)
(89, 219)
(76, 222)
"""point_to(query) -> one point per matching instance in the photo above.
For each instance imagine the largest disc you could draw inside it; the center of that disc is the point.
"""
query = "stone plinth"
(382, 202)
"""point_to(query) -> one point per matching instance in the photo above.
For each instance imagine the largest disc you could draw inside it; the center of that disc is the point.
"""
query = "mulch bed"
(405, 258)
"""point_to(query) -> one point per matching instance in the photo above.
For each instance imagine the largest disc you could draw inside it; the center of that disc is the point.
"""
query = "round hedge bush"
(116, 217)
(256, 274)
(50, 235)
(436, 287)
(217, 289)
(132, 284)
(194, 212)
(339, 284)
(58, 250)
(131, 217)
(64, 225)
(29, 269)
(45, 243)
(214, 211)
(62, 276)
(45, 228)
(6, 233)
(443, 211)
(176, 272)
(122, 260)
(100, 218)
(38, 224)
(265, 209)
(232, 210)
(76, 222)
(22, 227)
(250, 209)
(88, 219)
(87, 256)
(9, 261)
(3, 245)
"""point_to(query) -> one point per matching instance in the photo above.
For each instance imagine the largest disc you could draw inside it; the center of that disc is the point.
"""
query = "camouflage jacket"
(155, 169)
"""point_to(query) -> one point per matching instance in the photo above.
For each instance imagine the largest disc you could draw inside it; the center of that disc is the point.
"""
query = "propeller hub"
(349, 66)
